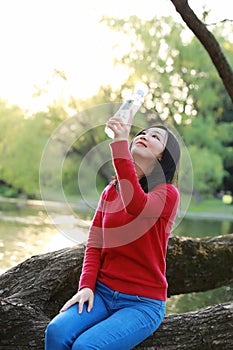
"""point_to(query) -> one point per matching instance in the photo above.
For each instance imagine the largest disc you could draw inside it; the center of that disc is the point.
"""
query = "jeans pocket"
(154, 308)
(157, 303)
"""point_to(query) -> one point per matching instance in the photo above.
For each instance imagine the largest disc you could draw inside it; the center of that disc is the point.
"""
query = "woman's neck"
(143, 167)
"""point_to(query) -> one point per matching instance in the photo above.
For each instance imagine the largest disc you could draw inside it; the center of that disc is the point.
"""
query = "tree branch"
(199, 264)
(209, 42)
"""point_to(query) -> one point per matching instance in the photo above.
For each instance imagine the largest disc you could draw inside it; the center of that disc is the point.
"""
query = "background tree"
(184, 87)
(21, 144)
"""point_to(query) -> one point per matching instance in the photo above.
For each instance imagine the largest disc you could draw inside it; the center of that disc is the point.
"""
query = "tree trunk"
(209, 42)
(33, 291)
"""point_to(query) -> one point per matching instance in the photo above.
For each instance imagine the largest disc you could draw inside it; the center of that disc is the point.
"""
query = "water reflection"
(19, 242)
(194, 301)
(196, 227)
(26, 232)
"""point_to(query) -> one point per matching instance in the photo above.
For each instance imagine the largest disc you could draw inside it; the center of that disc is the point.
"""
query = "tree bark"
(208, 328)
(198, 265)
(33, 292)
(209, 42)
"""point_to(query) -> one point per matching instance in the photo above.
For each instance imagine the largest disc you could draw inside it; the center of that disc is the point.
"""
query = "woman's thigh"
(68, 325)
(123, 330)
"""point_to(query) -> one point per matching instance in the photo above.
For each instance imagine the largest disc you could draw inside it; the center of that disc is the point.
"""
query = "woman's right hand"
(82, 296)
(120, 129)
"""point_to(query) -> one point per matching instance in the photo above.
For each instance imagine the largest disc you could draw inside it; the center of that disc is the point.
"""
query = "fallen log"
(33, 291)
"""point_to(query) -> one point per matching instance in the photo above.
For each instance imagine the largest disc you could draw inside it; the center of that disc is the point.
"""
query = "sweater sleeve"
(92, 257)
(160, 201)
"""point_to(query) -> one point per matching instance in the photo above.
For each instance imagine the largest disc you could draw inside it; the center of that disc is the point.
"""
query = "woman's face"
(150, 143)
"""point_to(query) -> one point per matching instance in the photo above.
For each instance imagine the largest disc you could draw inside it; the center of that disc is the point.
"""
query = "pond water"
(27, 231)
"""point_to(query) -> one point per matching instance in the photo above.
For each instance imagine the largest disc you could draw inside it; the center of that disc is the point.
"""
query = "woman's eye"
(156, 137)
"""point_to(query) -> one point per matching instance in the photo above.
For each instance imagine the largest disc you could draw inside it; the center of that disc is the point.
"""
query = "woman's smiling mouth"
(141, 143)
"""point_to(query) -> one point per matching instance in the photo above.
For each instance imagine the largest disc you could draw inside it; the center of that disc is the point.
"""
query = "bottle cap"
(140, 92)
(141, 88)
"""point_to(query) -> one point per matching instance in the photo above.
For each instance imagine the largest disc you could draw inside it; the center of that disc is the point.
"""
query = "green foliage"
(204, 132)
(208, 170)
(8, 191)
(22, 143)
(69, 175)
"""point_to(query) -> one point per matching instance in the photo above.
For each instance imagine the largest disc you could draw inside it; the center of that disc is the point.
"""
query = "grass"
(211, 205)
(207, 205)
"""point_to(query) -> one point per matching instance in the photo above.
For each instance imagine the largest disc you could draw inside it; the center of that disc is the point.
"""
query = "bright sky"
(38, 36)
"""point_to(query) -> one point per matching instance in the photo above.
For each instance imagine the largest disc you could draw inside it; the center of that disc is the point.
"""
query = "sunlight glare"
(40, 36)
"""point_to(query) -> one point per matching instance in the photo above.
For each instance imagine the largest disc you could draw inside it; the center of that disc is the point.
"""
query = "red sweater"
(126, 248)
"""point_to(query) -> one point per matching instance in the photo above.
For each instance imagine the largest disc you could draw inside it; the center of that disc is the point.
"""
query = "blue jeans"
(117, 321)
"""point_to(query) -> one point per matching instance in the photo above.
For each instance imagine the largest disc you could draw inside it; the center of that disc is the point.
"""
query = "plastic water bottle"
(130, 105)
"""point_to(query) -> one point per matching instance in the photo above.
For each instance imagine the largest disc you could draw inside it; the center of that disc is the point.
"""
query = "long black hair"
(166, 168)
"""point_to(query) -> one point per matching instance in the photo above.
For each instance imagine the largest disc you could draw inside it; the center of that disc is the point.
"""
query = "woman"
(123, 288)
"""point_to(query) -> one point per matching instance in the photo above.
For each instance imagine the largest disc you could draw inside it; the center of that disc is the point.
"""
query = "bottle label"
(128, 108)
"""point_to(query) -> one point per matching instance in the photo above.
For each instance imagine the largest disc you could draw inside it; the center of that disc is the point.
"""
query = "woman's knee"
(52, 330)
(54, 334)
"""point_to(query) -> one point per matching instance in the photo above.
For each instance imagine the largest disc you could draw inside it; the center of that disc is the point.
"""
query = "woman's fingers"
(120, 129)
(80, 306)
(90, 302)
(86, 295)
(68, 304)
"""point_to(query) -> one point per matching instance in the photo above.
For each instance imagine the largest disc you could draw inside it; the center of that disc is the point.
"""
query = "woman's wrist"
(120, 139)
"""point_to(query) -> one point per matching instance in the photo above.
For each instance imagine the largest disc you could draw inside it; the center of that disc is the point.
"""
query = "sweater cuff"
(120, 149)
